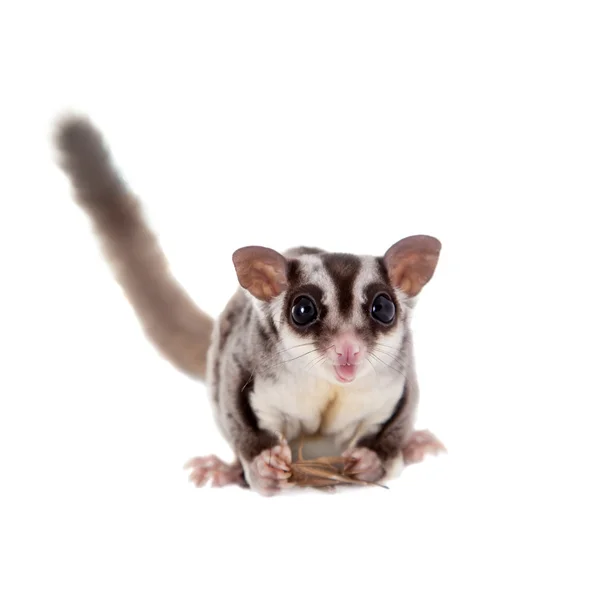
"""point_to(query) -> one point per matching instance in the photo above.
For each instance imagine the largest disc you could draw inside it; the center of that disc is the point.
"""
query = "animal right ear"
(411, 262)
(261, 271)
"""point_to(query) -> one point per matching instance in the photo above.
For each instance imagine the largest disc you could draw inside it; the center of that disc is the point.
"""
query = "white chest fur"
(328, 417)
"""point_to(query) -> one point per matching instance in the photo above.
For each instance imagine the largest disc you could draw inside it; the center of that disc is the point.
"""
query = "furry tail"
(170, 319)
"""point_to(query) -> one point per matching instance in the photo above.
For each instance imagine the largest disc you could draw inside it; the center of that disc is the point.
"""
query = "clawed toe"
(421, 444)
(210, 468)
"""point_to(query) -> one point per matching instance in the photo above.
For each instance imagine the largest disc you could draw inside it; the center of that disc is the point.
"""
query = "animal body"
(314, 346)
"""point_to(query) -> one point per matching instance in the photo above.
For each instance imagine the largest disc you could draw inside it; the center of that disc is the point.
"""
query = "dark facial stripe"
(343, 269)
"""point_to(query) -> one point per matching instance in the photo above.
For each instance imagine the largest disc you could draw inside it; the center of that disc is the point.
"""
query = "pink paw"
(419, 445)
(270, 470)
(363, 464)
(205, 468)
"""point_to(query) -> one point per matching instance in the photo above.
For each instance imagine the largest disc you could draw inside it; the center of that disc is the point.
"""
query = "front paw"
(270, 470)
(363, 464)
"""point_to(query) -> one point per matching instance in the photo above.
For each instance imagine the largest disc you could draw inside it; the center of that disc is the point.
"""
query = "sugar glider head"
(337, 315)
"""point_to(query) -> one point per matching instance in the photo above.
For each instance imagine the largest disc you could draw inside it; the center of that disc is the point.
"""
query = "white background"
(340, 124)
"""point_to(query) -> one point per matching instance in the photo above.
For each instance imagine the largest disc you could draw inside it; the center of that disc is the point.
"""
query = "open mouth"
(345, 373)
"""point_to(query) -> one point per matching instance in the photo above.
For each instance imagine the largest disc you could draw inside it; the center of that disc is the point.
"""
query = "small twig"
(325, 471)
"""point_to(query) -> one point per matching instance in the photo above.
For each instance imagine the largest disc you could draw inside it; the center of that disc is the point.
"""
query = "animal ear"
(411, 262)
(261, 271)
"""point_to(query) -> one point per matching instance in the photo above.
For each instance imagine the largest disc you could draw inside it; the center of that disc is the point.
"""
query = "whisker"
(386, 346)
(294, 347)
(313, 362)
(396, 358)
(389, 366)
(399, 350)
(374, 369)
(319, 361)
(295, 358)
(249, 380)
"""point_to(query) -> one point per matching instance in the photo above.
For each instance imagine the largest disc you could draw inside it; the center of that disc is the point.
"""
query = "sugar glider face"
(346, 308)
(332, 314)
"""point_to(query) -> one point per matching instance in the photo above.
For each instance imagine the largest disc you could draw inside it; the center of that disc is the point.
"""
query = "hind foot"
(419, 445)
(211, 468)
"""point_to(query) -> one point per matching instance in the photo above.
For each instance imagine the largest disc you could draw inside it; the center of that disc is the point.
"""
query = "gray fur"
(244, 350)
(269, 381)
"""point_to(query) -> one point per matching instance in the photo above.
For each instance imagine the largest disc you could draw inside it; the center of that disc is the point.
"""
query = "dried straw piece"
(323, 472)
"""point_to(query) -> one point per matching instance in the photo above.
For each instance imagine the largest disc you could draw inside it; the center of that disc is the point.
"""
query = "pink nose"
(347, 349)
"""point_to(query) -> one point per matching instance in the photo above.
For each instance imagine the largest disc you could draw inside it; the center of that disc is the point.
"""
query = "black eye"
(304, 311)
(383, 309)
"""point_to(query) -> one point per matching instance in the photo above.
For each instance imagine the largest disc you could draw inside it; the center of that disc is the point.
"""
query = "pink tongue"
(346, 371)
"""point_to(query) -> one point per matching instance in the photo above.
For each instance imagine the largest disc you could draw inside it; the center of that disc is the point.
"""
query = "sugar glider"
(314, 345)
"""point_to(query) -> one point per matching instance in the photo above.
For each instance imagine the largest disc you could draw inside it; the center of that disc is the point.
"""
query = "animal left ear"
(411, 262)
(261, 271)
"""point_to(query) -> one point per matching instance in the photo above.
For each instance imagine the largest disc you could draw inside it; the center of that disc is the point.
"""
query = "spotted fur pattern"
(268, 378)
